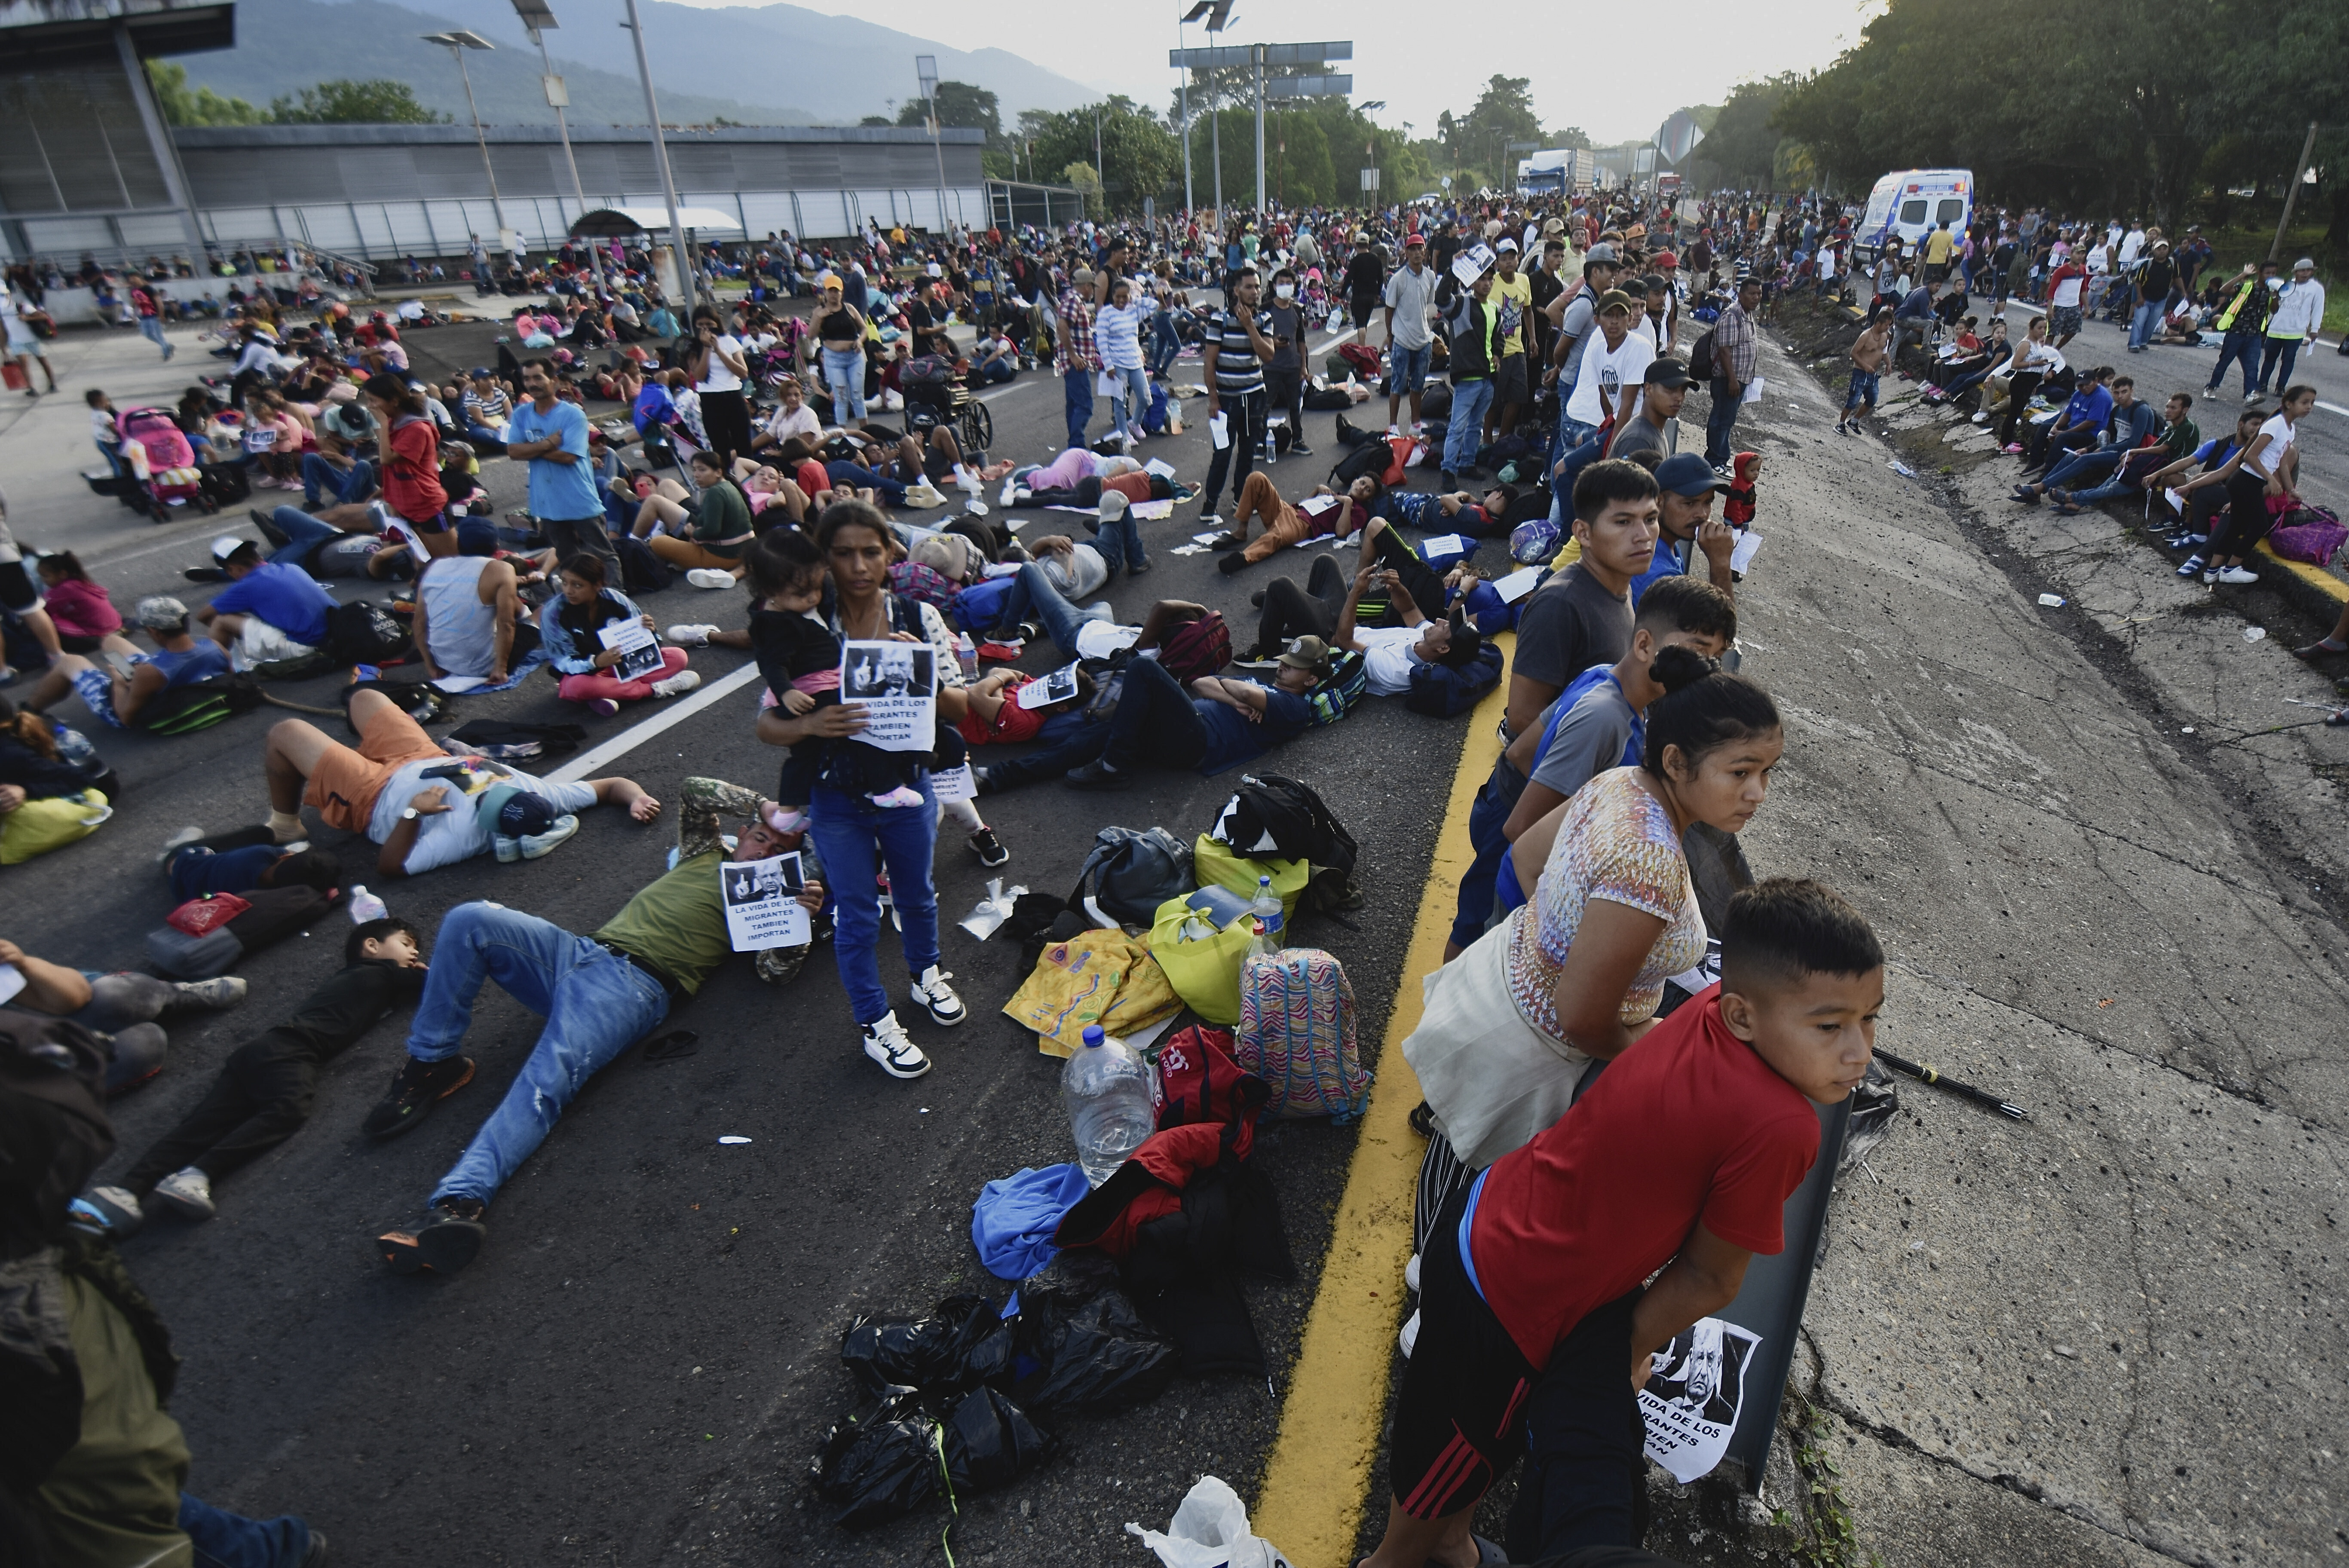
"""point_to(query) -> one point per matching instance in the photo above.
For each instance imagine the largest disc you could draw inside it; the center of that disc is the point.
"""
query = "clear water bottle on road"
(364, 905)
(1106, 1088)
(1266, 911)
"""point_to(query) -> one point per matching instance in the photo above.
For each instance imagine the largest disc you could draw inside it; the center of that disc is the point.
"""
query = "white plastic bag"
(1210, 1529)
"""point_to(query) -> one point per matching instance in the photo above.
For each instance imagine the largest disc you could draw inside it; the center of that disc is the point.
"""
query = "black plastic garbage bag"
(964, 1343)
(882, 1465)
(1089, 1357)
(990, 1442)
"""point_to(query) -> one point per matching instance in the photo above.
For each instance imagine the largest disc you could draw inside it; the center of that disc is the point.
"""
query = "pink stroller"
(162, 462)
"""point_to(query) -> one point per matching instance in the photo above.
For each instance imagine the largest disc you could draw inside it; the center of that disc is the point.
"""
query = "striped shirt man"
(1239, 371)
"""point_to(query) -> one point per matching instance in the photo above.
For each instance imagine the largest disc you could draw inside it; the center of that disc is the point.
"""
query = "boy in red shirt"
(1680, 1156)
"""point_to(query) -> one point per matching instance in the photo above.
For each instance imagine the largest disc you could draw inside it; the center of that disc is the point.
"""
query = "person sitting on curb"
(1324, 511)
(598, 994)
(1686, 529)
(2137, 445)
(270, 610)
(115, 696)
(265, 1088)
(424, 807)
(1219, 723)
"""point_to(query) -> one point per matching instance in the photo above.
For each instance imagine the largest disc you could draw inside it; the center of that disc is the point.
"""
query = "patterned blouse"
(1615, 843)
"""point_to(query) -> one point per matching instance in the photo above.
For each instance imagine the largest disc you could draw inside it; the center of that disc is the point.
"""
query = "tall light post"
(926, 66)
(536, 19)
(457, 43)
(660, 160)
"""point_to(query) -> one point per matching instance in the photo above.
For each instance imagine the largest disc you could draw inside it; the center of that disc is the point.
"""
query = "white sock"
(284, 826)
(964, 812)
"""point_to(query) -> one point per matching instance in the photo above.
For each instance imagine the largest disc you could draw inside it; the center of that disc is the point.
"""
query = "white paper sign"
(1517, 583)
(954, 784)
(897, 684)
(639, 650)
(1691, 1402)
(1445, 544)
(11, 980)
(1752, 391)
(762, 907)
(1741, 554)
(1219, 431)
(1058, 686)
(1471, 263)
(1159, 466)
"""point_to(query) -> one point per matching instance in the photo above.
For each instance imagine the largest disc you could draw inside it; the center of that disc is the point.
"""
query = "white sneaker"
(1410, 1334)
(112, 1212)
(1410, 1275)
(1010, 492)
(886, 1042)
(2238, 576)
(219, 991)
(683, 681)
(1395, 429)
(692, 634)
(710, 577)
(537, 845)
(933, 994)
(187, 1193)
(178, 840)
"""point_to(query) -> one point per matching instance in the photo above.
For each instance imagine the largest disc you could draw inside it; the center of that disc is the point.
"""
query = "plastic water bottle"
(1106, 1088)
(364, 905)
(1269, 938)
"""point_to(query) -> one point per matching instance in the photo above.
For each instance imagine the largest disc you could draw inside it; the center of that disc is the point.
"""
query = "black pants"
(1419, 579)
(1312, 611)
(260, 1098)
(2248, 518)
(2018, 403)
(726, 418)
(584, 536)
(1284, 396)
(1585, 1481)
(2046, 446)
(1244, 414)
(1154, 722)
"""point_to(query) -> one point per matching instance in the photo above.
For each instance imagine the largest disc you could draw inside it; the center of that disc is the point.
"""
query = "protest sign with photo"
(639, 650)
(762, 907)
(1691, 1402)
(896, 683)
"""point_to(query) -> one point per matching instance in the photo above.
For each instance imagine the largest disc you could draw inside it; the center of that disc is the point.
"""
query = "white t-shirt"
(1599, 384)
(718, 377)
(2280, 433)
(457, 834)
(1410, 294)
(799, 421)
(2067, 292)
(1386, 657)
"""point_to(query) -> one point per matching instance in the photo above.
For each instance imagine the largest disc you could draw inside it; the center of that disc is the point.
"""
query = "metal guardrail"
(124, 258)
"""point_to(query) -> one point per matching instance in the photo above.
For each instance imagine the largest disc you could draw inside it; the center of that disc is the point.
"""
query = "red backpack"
(1363, 358)
(1196, 648)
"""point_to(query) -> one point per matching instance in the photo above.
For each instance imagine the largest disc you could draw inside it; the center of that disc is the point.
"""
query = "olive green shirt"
(679, 921)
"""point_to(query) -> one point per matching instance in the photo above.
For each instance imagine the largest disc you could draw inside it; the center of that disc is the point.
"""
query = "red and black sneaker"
(446, 1241)
(413, 1091)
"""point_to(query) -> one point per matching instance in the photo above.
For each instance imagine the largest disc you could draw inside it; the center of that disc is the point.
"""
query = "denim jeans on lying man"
(596, 1003)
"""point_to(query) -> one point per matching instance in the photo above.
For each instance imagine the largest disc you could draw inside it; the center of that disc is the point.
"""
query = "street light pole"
(457, 43)
(660, 160)
(1258, 51)
(535, 19)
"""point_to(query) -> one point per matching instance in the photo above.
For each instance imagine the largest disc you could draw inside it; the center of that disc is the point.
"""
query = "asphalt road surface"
(644, 1360)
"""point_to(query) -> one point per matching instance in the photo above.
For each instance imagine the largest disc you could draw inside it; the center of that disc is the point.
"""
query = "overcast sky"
(1418, 57)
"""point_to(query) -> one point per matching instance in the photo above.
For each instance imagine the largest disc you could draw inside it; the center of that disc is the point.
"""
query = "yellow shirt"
(1511, 299)
(1939, 244)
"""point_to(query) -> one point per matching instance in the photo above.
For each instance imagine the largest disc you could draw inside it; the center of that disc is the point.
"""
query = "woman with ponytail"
(1574, 974)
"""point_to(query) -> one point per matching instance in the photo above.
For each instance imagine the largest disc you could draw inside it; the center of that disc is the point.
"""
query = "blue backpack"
(1443, 691)
(978, 606)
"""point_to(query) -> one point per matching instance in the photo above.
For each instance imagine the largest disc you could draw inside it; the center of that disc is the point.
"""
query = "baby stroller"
(162, 462)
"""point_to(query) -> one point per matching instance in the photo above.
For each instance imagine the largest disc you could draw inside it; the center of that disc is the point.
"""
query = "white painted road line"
(586, 764)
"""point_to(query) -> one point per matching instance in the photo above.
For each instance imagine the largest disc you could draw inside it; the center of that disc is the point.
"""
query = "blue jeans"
(1407, 368)
(2070, 472)
(2142, 324)
(303, 534)
(1570, 433)
(224, 1540)
(1080, 389)
(151, 328)
(854, 839)
(1165, 344)
(1470, 399)
(1155, 721)
(2279, 351)
(2120, 484)
(1033, 591)
(1486, 818)
(1130, 403)
(1720, 426)
(354, 483)
(483, 433)
(2242, 345)
(596, 1005)
(845, 373)
(890, 491)
(1001, 368)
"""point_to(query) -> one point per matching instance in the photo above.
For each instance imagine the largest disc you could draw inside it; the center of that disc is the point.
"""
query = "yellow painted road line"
(1315, 1485)
(2316, 577)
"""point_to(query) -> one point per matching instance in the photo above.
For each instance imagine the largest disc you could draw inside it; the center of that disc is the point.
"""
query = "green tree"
(201, 107)
(377, 101)
(1741, 146)
(1139, 157)
(961, 106)
(880, 119)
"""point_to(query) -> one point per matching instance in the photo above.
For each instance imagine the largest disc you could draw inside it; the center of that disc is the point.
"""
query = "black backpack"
(199, 705)
(1131, 872)
(1700, 359)
(1277, 816)
(364, 634)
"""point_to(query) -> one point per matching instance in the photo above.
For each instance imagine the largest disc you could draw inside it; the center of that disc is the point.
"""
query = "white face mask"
(1284, 291)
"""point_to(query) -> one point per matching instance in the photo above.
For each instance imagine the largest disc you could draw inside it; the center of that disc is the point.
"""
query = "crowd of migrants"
(1613, 965)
